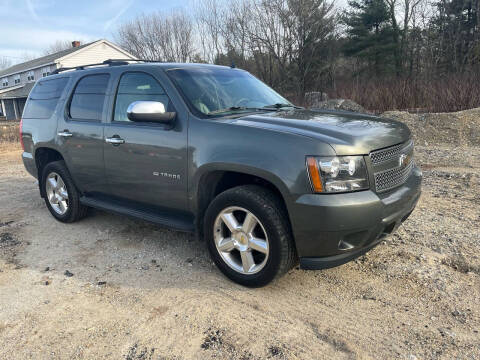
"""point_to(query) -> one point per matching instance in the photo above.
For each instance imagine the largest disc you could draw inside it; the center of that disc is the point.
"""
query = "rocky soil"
(113, 287)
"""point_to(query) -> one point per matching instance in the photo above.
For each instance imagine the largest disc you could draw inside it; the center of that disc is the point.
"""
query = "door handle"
(65, 133)
(115, 140)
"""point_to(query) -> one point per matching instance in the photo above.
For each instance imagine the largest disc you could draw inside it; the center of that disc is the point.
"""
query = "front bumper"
(333, 229)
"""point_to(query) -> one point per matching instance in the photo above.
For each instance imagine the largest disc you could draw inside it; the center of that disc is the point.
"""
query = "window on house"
(89, 97)
(5, 82)
(16, 79)
(30, 76)
(45, 71)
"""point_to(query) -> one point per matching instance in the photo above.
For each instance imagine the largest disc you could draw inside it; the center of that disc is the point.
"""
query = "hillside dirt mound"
(454, 129)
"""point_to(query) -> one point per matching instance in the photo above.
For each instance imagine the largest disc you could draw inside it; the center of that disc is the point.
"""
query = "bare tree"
(57, 46)
(236, 29)
(27, 56)
(5, 62)
(159, 36)
(279, 40)
(299, 45)
(210, 25)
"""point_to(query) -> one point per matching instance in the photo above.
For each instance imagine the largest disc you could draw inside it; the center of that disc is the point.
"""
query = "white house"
(17, 81)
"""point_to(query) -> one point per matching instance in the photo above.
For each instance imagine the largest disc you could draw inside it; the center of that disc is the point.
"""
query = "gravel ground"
(113, 287)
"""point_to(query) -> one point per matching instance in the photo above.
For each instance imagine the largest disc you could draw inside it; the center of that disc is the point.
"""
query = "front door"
(145, 163)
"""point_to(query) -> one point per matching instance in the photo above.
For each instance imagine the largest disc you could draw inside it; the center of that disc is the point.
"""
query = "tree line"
(384, 54)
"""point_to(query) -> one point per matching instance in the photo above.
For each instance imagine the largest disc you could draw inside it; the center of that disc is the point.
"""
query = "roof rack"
(109, 62)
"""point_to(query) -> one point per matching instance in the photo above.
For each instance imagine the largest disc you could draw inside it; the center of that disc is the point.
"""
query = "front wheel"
(248, 235)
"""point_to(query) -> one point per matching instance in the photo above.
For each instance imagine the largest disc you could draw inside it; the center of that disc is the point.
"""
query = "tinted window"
(89, 97)
(43, 98)
(137, 87)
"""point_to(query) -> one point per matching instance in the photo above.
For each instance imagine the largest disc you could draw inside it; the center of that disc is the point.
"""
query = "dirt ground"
(113, 287)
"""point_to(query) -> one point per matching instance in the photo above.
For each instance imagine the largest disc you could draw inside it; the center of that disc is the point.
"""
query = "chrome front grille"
(390, 153)
(392, 166)
(392, 178)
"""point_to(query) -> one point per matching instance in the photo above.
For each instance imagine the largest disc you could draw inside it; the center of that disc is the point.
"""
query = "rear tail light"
(21, 137)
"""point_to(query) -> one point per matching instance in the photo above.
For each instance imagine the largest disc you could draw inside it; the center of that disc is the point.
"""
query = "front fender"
(275, 156)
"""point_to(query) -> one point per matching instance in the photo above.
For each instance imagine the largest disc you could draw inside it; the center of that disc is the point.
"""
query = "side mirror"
(149, 111)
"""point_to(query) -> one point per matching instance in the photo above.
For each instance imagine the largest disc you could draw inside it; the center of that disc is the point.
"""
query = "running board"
(178, 222)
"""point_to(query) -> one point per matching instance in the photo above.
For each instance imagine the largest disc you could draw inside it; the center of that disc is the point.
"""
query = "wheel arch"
(44, 156)
(218, 179)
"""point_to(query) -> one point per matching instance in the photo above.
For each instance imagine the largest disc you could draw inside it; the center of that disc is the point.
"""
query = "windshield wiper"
(243, 108)
(231, 108)
(278, 106)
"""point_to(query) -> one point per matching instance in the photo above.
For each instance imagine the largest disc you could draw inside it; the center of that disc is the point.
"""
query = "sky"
(30, 26)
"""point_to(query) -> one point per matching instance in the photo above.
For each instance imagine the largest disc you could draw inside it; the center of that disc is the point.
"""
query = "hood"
(348, 133)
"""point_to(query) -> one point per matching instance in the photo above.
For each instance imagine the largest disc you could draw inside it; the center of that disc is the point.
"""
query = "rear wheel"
(61, 196)
(248, 235)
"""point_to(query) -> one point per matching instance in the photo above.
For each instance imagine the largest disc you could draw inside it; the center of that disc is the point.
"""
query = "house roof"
(44, 60)
(50, 59)
(18, 92)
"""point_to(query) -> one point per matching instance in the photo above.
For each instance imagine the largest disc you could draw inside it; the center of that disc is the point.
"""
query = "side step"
(169, 220)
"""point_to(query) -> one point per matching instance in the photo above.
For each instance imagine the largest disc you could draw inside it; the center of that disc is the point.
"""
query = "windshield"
(214, 91)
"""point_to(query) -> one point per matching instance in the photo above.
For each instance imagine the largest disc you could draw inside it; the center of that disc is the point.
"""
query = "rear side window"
(43, 99)
(89, 97)
(137, 86)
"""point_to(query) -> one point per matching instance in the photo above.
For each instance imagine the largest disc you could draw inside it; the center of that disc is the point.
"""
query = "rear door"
(149, 165)
(80, 132)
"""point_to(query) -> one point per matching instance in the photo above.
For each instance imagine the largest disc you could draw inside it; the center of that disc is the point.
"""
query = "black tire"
(269, 210)
(75, 210)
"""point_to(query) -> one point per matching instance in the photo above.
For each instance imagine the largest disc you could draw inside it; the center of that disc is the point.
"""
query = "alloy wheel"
(241, 240)
(57, 193)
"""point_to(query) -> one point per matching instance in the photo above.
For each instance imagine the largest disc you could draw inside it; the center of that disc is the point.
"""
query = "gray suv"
(213, 150)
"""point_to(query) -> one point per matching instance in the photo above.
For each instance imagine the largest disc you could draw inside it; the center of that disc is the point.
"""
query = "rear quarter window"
(43, 99)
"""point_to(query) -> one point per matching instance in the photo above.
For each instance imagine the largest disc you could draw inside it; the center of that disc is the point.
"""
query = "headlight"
(337, 173)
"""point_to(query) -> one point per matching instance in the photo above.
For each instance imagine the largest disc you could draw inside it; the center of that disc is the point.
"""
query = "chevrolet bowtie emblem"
(403, 160)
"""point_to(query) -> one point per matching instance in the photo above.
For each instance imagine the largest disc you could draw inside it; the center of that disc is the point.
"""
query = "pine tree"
(370, 34)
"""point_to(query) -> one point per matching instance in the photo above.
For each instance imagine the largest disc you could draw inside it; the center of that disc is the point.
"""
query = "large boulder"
(340, 104)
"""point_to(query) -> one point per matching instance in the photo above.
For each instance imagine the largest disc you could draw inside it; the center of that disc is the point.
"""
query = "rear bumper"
(29, 164)
(331, 230)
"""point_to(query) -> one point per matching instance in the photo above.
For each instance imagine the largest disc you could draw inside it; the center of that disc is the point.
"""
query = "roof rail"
(109, 62)
(132, 60)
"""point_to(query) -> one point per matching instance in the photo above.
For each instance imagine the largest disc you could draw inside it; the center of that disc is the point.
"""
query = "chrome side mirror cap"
(149, 111)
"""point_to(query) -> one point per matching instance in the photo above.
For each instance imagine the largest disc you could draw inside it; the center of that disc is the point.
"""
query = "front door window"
(137, 86)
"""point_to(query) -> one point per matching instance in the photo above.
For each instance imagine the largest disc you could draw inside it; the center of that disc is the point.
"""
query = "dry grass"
(9, 136)
(9, 131)
(449, 93)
